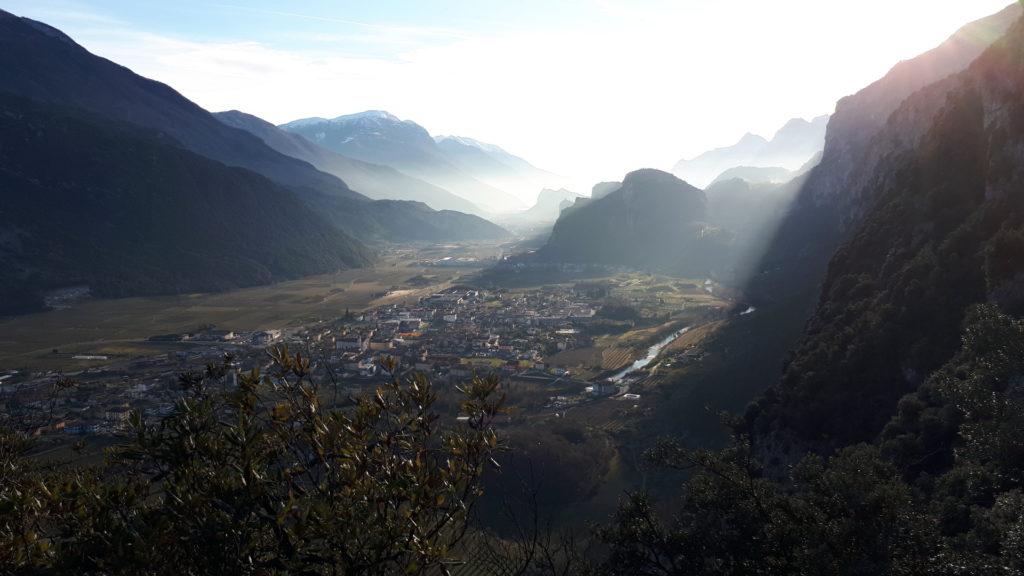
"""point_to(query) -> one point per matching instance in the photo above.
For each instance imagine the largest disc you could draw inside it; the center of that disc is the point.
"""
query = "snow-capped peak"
(367, 115)
(304, 122)
(465, 141)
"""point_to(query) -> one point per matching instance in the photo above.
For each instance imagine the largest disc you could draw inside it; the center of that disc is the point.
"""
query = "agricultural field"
(663, 305)
(121, 327)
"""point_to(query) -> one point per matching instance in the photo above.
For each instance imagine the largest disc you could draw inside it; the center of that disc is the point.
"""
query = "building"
(265, 337)
(355, 342)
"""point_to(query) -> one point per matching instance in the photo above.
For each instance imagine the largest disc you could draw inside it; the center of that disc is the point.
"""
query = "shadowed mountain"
(43, 64)
(654, 220)
(837, 193)
(786, 285)
(127, 211)
(373, 180)
(378, 137)
(927, 216)
(791, 147)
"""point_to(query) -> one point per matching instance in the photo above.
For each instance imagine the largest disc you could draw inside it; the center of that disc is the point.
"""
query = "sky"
(590, 89)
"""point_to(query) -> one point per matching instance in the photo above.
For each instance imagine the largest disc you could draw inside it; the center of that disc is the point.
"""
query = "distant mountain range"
(546, 210)
(492, 164)
(45, 66)
(755, 175)
(373, 180)
(791, 147)
(381, 138)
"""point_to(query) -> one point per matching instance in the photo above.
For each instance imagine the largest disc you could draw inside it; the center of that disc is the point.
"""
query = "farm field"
(121, 326)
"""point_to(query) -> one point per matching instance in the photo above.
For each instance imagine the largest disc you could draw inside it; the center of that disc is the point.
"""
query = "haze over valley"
(543, 290)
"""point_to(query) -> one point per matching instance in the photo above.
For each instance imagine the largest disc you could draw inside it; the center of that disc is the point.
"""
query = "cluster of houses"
(460, 332)
(451, 336)
(100, 399)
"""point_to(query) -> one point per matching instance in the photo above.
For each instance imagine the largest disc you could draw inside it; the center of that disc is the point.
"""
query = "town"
(554, 347)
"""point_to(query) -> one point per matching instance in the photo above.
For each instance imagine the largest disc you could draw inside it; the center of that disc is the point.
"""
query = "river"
(652, 353)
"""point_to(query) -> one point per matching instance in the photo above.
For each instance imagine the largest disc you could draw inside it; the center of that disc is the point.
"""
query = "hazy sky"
(587, 88)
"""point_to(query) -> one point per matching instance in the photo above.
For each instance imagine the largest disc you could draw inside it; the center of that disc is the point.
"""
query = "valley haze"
(587, 288)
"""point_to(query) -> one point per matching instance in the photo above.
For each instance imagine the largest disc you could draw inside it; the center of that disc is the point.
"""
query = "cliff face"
(932, 214)
(866, 128)
(835, 194)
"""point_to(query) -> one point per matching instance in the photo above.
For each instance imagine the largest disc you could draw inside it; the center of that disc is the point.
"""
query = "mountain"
(792, 146)
(127, 211)
(930, 221)
(378, 137)
(795, 143)
(751, 211)
(786, 270)
(654, 220)
(373, 180)
(837, 191)
(702, 169)
(755, 175)
(492, 164)
(43, 64)
(602, 189)
(549, 205)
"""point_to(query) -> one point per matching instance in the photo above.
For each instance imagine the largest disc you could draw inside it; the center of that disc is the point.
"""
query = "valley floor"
(121, 328)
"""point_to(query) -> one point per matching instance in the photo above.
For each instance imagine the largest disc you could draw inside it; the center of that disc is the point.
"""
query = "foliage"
(261, 478)
(941, 493)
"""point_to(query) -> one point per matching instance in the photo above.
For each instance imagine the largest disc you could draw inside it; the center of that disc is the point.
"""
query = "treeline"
(259, 478)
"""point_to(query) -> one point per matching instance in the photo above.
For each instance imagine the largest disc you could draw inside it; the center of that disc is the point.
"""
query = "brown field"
(615, 357)
(694, 337)
(590, 357)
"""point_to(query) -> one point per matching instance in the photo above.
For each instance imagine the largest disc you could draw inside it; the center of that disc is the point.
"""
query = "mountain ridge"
(928, 223)
(127, 211)
(791, 146)
(44, 64)
(375, 181)
(381, 138)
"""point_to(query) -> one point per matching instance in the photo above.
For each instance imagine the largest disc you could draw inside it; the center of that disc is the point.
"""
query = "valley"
(122, 327)
(274, 300)
(589, 358)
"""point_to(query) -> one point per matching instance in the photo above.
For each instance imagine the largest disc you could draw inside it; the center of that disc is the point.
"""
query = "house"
(265, 337)
(356, 342)
(381, 343)
(212, 335)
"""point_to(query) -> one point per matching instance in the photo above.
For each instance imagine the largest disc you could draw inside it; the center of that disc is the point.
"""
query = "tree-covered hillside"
(944, 232)
(127, 212)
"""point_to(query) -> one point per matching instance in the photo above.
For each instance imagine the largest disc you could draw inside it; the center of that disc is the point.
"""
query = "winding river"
(652, 353)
